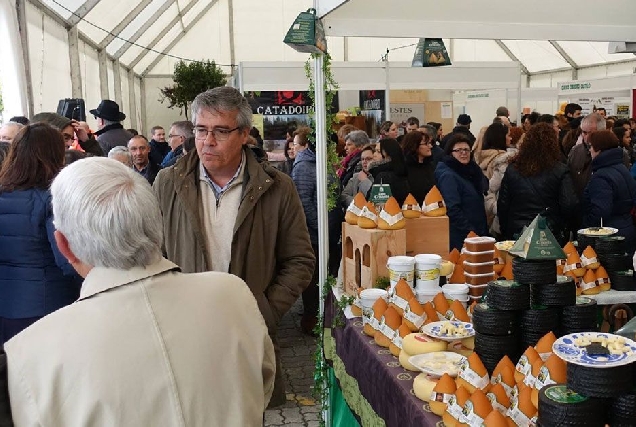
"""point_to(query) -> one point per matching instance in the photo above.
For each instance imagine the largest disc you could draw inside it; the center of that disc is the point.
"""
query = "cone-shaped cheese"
(480, 404)
(420, 344)
(453, 256)
(461, 396)
(569, 248)
(445, 386)
(354, 209)
(392, 321)
(459, 312)
(391, 217)
(368, 216)
(379, 307)
(434, 203)
(441, 303)
(423, 386)
(473, 374)
(524, 365)
(404, 361)
(544, 345)
(471, 233)
(589, 259)
(403, 331)
(524, 403)
(458, 274)
(573, 264)
(602, 279)
(506, 377)
(414, 315)
(431, 314)
(588, 284)
(531, 378)
(499, 262)
(497, 394)
(495, 419)
(507, 271)
(410, 207)
(505, 361)
(403, 293)
(553, 371)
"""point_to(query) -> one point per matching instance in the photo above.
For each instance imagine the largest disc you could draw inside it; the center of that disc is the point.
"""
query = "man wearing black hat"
(111, 133)
(462, 127)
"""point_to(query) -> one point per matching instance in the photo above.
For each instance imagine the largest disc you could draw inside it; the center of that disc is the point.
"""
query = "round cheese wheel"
(419, 344)
(404, 361)
(423, 387)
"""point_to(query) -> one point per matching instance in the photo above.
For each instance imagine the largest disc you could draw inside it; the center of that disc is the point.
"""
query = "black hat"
(109, 110)
(464, 119)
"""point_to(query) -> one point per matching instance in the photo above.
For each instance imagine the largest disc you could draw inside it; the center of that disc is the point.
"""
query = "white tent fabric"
(14, 78)
(126, 49)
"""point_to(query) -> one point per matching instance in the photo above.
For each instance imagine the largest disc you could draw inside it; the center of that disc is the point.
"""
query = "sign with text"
(401, 112)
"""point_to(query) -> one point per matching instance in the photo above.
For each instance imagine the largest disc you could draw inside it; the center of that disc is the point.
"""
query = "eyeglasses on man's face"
(175, 136)
(219, 134)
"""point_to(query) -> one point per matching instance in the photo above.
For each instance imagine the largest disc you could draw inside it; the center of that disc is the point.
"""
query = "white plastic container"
(456, 291)
(368, 297)
(427, 271)
(401, 267)
(426, 295)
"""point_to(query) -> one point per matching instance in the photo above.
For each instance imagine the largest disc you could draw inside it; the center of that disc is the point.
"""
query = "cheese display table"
(374, 385)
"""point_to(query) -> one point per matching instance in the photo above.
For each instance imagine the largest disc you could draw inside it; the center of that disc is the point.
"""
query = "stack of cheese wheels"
(473, 374)
(410, 207)
(441, 394)
(553, 371)
(396, 344)
(454, 414)
(368, 216)
(389, 324)
(434, 203)
(418, 343)
(391, 217)
(355, 209)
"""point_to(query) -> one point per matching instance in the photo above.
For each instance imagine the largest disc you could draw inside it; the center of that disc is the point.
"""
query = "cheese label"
(431, 274)
(368, 214)
(570, 267)
(585, 261)
(519, 418)
(354, 209)
(433, 206)
(470, 416)
(560, 262)
(440, 397)
(529, 380)
(469, 375)
(397, 341)
(495, 404)
(497, 380)
(587, 285)
(449, 315)
(543, 378)
(386, 331)
(400, 302)
(416, 320)
(391, 219)
(395, 276)
(523, 365)
(414, 207)
(561, 394)
(375, 323)
(454, 410)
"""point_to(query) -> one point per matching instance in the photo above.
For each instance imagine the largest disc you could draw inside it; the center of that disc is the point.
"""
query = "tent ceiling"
(480, 32)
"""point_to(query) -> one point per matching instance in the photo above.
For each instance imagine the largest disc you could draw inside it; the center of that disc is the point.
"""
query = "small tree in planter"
(190, 80)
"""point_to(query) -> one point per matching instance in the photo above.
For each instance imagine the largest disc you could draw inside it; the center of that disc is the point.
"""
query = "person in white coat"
(145, 345)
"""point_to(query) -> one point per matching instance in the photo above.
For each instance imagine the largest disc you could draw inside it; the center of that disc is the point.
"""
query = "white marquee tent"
(126, 49)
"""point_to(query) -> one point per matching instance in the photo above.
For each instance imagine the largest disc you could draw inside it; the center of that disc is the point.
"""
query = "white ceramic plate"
(438, 363)
(610, 232)
(567, 349)
(436, 330)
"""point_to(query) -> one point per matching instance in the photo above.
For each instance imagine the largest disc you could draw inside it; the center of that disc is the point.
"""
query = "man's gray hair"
(120, 151)
(224, 98)
(108, 213)
(430, 131)
(184, 128)
(358, 137)
(596, 120)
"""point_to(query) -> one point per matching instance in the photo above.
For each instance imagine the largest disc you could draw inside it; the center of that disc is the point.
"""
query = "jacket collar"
(109, 127)
(613, 156)
(101, 279)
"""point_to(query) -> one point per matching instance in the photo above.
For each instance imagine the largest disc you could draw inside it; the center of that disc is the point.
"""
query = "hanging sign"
(430, 53)
(307, 34)
(380, 193)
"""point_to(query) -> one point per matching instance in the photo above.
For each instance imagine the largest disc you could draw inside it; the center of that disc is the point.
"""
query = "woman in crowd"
(361, 181)
(624, 135)
(462, 184)
(35, 278)
(388, 130)
(536, 182)
(420, 166)
(391, 170)
(495, 142)
(288, 165)
(610, 195)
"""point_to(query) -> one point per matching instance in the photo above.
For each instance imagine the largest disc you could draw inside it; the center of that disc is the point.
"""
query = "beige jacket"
(145, 347)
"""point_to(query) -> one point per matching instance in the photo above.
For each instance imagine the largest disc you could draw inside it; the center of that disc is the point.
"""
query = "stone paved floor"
(297, 352)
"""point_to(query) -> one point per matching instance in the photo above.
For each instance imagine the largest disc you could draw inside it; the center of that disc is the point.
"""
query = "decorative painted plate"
(438, 363)
(449, 330)
(573, 348)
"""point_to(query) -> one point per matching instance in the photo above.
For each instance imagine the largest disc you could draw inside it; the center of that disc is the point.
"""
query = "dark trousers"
(11, 327)
(311, 294)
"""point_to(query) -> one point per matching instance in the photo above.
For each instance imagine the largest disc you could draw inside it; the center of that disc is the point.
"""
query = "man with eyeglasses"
(360, 181)
(179, 132)
(225, 211)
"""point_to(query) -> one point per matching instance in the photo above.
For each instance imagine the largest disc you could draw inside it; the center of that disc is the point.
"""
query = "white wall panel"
(125, 97)
(89, 65)
(156, 112)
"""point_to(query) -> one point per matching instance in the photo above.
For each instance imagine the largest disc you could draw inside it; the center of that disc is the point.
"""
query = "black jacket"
(421, 176)
(158, 151)
(521, 199)
(394, 175)
(458, 130)
(353, 164)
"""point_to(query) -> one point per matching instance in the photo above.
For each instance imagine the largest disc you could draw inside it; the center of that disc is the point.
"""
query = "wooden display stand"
(427, 235)
(365, 253)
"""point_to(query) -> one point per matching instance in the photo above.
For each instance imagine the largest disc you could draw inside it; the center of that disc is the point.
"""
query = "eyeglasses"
(461, 150)
(219, 134)
(174, 136)
(426, 143)
(67, 137)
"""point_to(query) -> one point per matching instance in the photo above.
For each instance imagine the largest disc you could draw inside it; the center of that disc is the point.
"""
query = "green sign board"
(380, 193)
(537, 242)
(307, 34)
(430, 53)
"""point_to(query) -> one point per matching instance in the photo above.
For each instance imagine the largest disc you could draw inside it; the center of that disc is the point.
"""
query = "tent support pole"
(73, 51)
(131, 99)
(24, 41)
(117, 82)
(387, 91)
(322, 188)
(102, 59)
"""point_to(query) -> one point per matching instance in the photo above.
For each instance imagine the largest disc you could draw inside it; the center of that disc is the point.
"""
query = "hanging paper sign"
(430, 53)
(307, 34)
(380, 193)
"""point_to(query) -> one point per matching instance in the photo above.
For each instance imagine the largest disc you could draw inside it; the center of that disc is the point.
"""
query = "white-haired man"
(145, 345)
(225, 211)
(122, 155)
